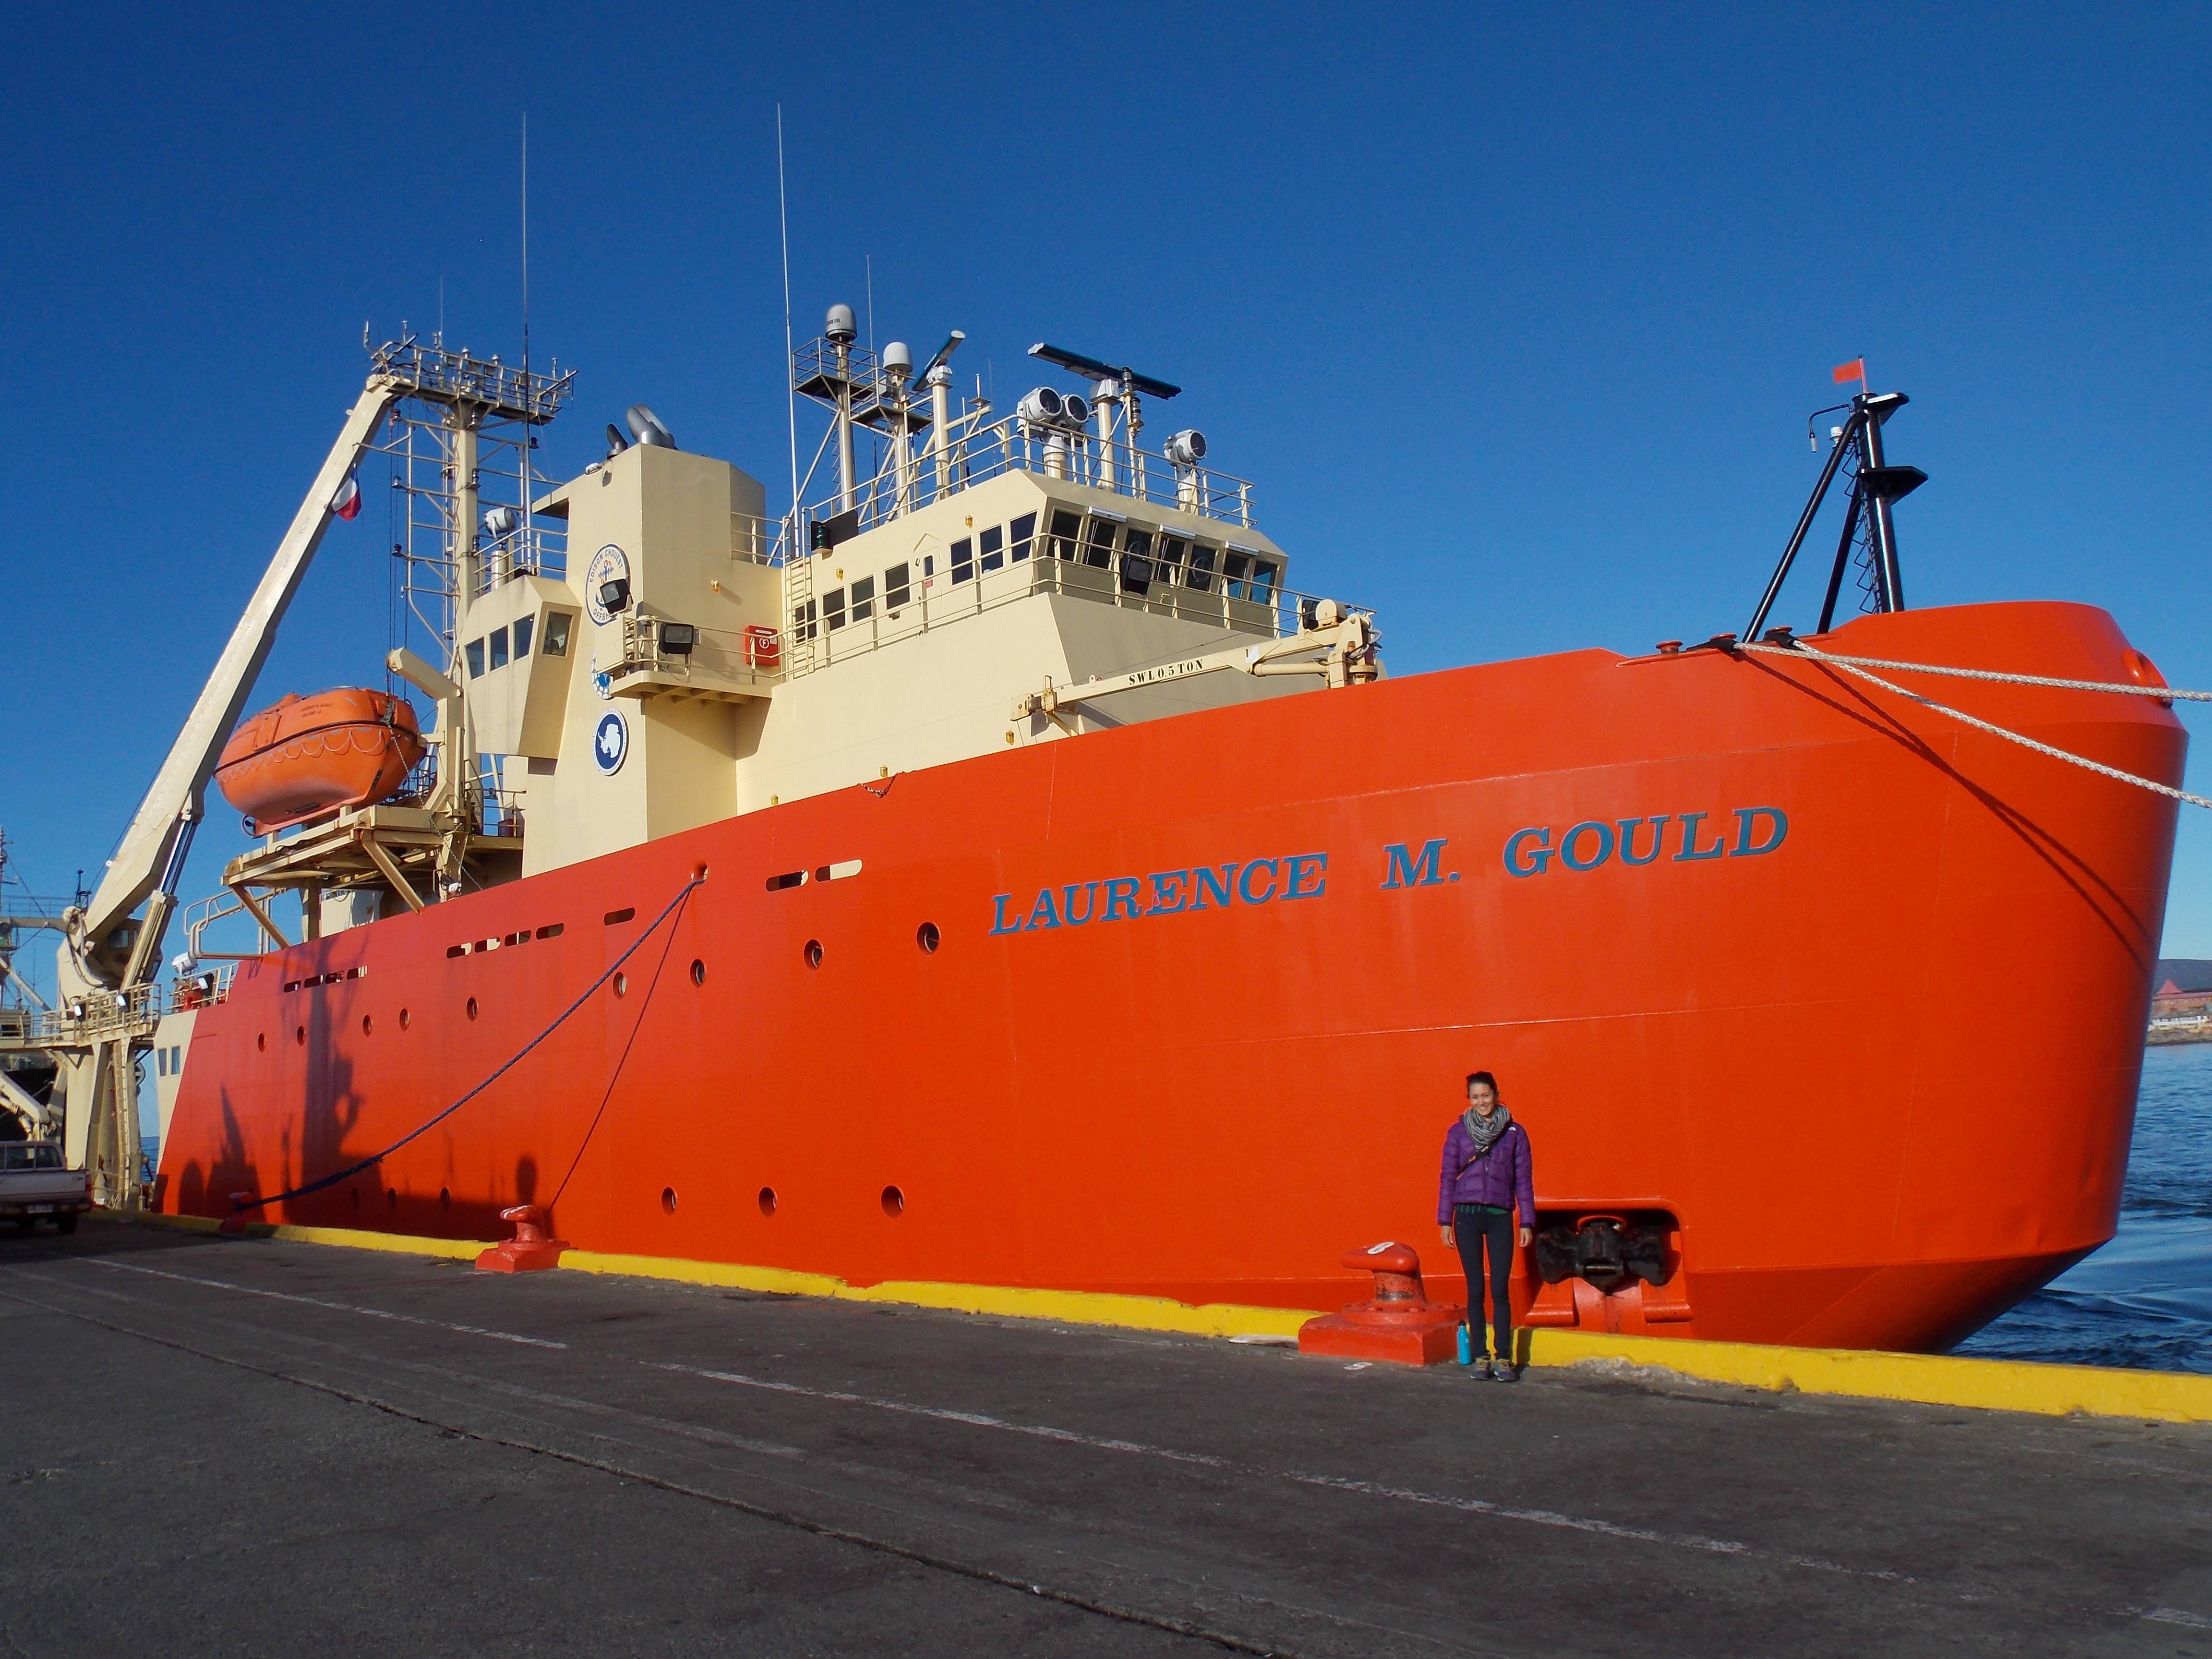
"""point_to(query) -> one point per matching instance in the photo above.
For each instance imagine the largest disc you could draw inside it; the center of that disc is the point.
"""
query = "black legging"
(1472, 1227)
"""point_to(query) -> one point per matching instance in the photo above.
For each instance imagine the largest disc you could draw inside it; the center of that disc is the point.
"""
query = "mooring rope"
(1853, 665)
(1800, 649)
(508, 1064)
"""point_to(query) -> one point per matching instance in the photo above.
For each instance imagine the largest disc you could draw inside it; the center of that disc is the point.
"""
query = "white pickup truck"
(34, 1184)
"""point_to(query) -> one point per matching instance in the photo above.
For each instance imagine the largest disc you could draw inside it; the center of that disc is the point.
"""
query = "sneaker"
(1505, 1371)
(1478, 1368)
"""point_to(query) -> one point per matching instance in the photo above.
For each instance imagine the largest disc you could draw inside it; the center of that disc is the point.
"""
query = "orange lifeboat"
(308, 755)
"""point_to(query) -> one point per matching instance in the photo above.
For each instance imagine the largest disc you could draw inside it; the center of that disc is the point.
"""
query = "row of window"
(491, 651)
(1141, 557)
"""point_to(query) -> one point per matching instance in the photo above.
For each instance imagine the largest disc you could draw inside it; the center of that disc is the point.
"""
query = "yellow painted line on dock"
(1143, 1313)
(2002, 1385)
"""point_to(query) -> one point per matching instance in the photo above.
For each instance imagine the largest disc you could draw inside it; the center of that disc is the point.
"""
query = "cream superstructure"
(704, 670)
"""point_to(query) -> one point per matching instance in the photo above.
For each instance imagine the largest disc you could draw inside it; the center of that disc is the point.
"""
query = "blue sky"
(1513, 316)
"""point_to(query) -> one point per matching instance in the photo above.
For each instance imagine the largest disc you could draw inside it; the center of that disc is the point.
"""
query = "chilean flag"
(348, 504)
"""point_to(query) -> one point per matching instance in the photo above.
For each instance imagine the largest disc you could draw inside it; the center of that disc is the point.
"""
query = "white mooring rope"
(1853, 665)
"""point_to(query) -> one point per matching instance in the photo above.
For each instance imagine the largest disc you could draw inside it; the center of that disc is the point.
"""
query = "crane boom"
(154, 842)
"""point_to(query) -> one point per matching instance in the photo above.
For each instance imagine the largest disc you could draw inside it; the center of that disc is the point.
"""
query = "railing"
(1239, 605)
(532, 550)
(202, 914)
(95, 1016)
(971, 452)
(457, 377)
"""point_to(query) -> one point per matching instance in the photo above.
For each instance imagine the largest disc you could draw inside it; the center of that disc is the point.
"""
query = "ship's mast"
(1867, 526)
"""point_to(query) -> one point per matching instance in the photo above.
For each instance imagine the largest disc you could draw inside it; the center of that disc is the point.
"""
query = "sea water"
(2146, 1298)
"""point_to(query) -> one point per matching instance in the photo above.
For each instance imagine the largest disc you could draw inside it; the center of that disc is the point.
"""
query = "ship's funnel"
(646, 428)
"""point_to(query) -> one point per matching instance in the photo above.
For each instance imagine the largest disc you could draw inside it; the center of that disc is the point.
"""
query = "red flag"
(348, 504)
(1853, 370)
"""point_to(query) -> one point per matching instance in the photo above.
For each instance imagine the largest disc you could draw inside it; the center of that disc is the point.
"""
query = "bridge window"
(993, 545)
(557, 634)
(1136, 561)
(1167, 565)
(1263, 579)
(1023, 530)
(963, 560)
(1100, 553)
(897, 588)
(1235, 568)
(802, 621)
(864, 598)
(522, 630)
(474, 651)
(1064, 527)
(833, 608)
(499, 647)
(1201, 570)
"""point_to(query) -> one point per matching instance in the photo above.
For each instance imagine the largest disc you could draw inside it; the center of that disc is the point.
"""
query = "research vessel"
(999, 874)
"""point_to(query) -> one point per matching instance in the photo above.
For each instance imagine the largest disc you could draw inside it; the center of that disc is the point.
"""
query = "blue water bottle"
(1465, 1346)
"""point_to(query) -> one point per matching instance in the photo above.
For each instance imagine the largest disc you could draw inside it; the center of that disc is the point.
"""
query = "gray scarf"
(1484, 1131)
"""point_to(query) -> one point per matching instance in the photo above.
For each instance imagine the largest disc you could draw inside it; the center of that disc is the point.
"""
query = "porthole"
(814, 953)
(928, 937)
(299, 1035)
(621, 985)
(472, 1007)
(668, 1200)
(698, 872)
(366, 1026)
(894, 1201)
(404, 1018)
(698, 971)
(767, 1201)
(445, 1199)
(261, 1039)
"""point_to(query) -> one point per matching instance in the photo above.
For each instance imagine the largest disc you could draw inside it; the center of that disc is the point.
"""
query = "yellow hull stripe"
(1924, 1379)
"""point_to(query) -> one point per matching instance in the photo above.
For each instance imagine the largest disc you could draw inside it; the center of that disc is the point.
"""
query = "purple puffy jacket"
(1503, 1176)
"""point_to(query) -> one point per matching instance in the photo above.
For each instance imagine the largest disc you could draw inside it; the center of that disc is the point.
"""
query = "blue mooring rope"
(375, 1158)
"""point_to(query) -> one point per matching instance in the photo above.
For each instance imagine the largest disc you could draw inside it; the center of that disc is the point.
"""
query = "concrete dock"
(259, 1447)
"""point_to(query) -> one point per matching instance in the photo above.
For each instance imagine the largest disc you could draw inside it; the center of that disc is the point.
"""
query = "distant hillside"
(2177, 975)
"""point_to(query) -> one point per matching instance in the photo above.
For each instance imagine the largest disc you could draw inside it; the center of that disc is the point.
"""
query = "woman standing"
(1487, 1178)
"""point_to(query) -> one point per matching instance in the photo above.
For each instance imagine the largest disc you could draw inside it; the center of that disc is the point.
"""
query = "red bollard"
(529, 1251)
(234, 1223)
(1398, 1324)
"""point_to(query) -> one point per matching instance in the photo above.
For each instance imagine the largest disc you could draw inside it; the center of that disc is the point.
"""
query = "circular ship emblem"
(608, 564)
(610, 742)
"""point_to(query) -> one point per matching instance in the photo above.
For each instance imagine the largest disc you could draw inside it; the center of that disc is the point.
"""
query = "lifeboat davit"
(304, 757)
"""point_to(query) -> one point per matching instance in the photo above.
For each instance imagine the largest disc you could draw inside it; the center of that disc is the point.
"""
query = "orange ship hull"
(303, 757)
(1853, 997)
